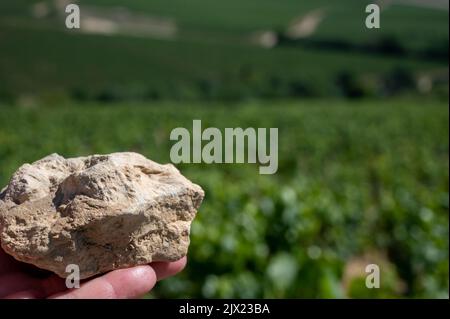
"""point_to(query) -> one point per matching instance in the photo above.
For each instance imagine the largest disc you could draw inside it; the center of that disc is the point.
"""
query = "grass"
(39, 57)
(413, 25)
(60, 61)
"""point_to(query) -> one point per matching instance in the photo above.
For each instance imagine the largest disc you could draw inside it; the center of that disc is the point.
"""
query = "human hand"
(21, 280)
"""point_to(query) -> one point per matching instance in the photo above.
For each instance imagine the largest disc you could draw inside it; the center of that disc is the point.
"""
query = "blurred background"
(362, 117)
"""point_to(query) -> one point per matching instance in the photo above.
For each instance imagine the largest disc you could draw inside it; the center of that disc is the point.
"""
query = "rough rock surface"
(100, 212)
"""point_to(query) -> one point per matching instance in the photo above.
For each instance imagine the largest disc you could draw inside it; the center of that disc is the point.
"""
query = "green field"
(356, 181)
(211, 56)
(415, 25)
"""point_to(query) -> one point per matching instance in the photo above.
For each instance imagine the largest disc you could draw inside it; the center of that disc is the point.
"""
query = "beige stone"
(100, 212)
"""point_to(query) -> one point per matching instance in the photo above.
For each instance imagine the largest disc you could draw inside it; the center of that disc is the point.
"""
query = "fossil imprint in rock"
(100, 212)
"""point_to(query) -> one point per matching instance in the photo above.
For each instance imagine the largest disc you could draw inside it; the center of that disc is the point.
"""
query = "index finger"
(118, 284)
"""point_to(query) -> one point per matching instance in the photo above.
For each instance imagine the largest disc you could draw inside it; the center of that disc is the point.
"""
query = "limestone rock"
(100, 212)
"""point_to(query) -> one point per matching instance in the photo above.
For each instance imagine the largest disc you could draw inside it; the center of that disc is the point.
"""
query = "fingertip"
(181, 264)
(131, 282)
(167, 269)
(144, 277)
